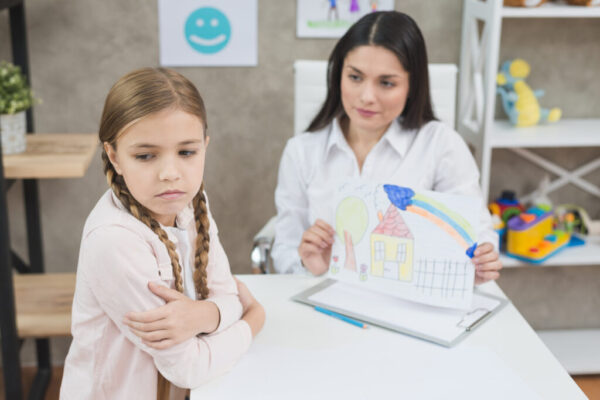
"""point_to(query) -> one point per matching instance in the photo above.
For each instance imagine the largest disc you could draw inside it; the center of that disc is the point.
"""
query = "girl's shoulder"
(109, 219)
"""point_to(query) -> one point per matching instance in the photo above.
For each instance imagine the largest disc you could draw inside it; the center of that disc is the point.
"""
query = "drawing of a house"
(392, 247)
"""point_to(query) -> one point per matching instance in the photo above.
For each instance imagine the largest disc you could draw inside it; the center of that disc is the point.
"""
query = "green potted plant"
(15, 98)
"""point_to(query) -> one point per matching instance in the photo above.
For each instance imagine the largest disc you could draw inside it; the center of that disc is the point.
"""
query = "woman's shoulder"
(438, 132)
(308, 142)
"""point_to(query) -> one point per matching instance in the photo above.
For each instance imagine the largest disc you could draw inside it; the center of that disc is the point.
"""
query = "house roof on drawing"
(393, 224)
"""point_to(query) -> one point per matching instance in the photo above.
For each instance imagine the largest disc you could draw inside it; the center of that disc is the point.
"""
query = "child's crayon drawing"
(412, 244)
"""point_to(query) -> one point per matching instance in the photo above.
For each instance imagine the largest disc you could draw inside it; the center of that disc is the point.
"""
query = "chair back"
(310, 90)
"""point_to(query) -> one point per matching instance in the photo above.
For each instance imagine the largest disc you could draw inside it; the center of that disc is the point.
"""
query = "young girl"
(376, 124)
(152, 230)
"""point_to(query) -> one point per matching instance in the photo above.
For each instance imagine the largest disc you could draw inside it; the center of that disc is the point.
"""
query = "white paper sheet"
(405, 243)
(421, 320)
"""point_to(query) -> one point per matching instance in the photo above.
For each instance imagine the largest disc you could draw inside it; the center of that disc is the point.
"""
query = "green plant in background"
(15, 93)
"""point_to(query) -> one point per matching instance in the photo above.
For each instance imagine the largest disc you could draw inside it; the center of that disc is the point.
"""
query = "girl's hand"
(315, 247)
(487, 263)
(254, 313)
(178, 320)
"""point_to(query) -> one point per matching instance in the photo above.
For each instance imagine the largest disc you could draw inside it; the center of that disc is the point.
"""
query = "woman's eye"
(143, 157)
(354, 77)
(187, 153)
(387, 84)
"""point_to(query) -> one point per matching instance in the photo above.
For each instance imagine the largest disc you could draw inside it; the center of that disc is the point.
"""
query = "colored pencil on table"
(342, 317)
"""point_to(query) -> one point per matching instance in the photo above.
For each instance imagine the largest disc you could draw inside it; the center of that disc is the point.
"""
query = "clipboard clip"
(471, 319)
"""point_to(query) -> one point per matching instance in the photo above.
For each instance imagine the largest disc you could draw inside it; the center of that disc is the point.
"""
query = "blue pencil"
(342, 317)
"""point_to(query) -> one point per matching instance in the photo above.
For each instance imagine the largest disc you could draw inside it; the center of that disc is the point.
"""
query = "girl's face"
(374, 88)
(161, 159)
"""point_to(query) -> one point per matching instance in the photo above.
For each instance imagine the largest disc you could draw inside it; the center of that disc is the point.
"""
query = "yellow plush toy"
(518, 99)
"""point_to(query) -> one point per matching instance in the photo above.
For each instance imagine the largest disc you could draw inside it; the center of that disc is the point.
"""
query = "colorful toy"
(531, 236)
(518, 99)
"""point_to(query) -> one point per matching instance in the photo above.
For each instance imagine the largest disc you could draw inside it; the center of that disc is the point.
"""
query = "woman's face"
(374, 88)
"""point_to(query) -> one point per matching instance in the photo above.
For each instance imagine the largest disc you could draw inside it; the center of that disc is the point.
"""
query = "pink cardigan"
(119, 255)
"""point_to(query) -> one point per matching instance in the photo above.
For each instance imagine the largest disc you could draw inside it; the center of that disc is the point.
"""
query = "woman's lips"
(171, 195)
(365, 113)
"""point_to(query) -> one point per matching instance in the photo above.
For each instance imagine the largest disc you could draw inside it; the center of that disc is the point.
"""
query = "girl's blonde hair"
(136, 95)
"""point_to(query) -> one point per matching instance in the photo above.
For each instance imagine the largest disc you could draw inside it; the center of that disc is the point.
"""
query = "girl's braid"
(202, 243)
(118, 186)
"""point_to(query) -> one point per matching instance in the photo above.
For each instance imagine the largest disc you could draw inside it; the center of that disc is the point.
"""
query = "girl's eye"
(187, 153)
(387, 84)
(354, 77)
(144, 157)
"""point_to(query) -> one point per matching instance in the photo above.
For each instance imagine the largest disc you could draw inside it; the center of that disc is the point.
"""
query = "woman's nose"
(367, 94)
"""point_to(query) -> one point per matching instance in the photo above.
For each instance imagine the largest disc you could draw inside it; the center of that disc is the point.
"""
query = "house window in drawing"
(392, 247)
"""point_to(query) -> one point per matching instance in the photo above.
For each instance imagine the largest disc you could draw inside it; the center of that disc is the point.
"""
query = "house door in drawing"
(392, 247)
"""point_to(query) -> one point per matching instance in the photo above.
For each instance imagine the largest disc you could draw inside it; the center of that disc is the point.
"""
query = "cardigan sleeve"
(117, 265)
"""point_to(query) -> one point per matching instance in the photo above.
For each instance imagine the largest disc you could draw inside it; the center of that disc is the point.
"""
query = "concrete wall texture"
(79, 48)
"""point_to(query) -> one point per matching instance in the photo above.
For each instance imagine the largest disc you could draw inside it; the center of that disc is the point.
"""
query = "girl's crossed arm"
(118, 264)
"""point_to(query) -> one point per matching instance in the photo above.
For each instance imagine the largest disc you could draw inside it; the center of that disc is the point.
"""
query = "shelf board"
(564, 133)
(551, 10)
(52, 155)
(576, 349)
(588, 254)
(43, 304)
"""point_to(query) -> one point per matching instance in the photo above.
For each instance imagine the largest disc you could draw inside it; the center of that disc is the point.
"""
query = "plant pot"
(12, 131)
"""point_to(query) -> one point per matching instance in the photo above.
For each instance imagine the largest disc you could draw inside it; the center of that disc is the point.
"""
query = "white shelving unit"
(479, 64)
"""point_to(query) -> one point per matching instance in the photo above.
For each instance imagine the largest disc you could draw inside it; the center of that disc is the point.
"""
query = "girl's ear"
(206, 142)
(112, 156)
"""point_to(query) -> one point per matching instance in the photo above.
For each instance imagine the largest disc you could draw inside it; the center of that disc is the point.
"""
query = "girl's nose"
(169, 172)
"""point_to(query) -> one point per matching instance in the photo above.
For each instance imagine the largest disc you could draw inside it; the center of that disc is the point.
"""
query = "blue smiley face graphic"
(207, 30)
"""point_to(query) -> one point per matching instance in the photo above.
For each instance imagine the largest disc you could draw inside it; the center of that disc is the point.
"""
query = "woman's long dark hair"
(398, 33)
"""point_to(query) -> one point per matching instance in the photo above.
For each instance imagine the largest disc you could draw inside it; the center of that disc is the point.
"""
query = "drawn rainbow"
(449, 221)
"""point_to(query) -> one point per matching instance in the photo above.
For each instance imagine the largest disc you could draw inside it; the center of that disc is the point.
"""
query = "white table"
(303, 354)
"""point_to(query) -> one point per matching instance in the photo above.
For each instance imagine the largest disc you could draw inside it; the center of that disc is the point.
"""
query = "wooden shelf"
(588, 254)
(43, 304)
(551, 10)
(52, 155)
(564, 133)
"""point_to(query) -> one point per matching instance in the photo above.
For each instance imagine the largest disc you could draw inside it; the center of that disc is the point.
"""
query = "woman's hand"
(487, 263)
(178, 320)
(315, 247)
(254, 313)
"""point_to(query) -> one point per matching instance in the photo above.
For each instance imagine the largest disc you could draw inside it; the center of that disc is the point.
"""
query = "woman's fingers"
(311, 236)
(325, 226)
(486, 258)
(484, 276)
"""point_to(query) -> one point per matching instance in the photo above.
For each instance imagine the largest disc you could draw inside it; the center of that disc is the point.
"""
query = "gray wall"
(78, 48)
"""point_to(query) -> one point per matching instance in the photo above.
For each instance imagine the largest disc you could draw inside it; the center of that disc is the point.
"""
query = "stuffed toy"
(584, 2)
(524, 3)
(518, 99)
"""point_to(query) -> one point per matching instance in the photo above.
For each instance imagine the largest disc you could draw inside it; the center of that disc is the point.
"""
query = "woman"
(376, 124)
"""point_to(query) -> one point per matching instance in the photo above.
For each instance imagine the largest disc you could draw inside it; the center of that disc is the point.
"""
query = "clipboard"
(442, 326)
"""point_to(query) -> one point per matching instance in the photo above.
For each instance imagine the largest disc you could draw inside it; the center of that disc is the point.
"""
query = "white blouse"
(434, 157)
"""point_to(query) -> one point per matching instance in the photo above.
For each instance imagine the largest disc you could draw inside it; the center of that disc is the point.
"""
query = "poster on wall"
(208, 33)
(332, 18)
